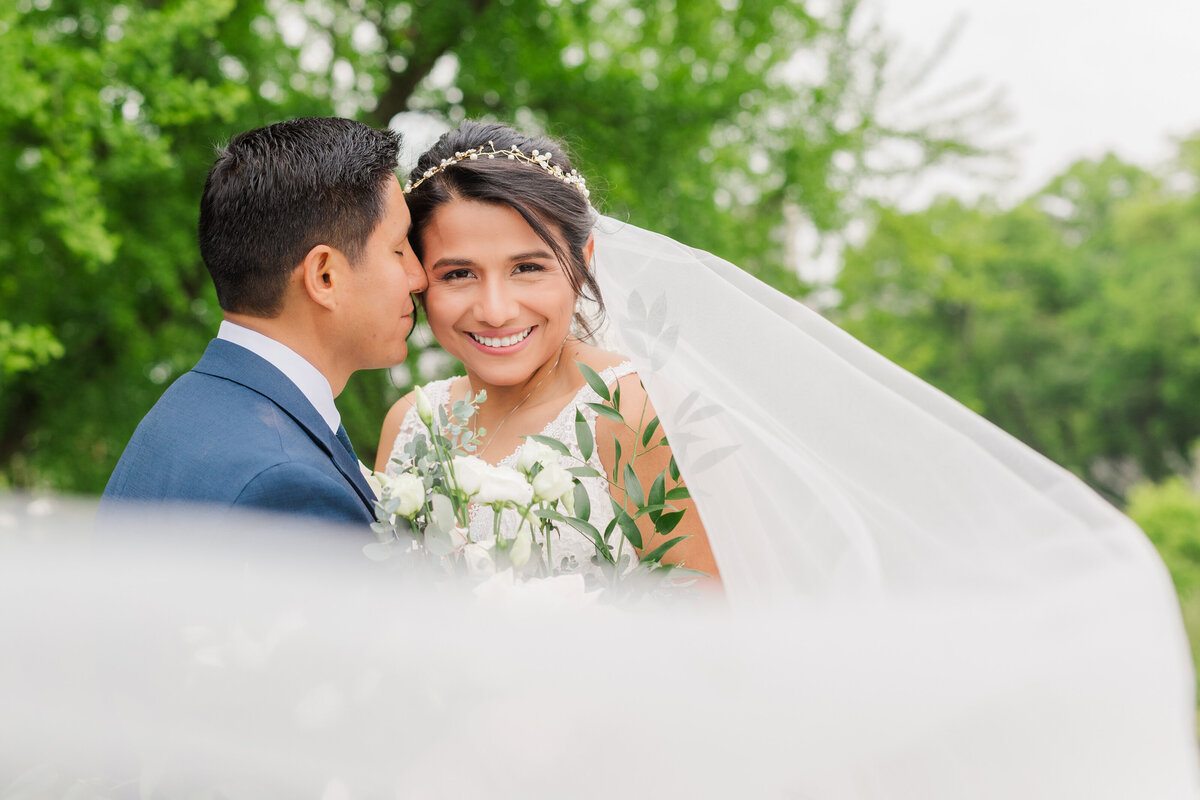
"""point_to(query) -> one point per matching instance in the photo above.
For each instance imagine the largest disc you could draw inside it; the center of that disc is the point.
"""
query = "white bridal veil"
(918, 607)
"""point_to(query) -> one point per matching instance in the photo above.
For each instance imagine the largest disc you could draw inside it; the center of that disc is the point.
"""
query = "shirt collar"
(308, 379)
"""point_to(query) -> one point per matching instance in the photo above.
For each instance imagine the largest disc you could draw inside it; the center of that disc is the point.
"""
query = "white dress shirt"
(308, 379)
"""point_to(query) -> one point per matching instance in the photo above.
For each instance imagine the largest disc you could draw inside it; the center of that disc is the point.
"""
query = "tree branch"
(425, 54)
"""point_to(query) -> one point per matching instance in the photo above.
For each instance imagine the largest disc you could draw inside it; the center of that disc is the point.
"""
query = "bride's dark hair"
(550, 204)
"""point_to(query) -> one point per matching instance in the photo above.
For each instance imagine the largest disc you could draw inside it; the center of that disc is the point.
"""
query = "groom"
(304, 230)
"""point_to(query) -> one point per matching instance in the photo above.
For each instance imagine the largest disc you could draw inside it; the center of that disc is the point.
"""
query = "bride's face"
(498, 300)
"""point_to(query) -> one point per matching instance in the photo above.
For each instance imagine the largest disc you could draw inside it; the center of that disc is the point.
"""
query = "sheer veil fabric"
(918, 607)
(833, 482)
(823, 469)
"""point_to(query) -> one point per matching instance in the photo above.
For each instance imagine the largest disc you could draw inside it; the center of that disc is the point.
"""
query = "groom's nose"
(417, 280)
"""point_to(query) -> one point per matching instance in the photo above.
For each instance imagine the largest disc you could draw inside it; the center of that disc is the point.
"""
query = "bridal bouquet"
(424, 510)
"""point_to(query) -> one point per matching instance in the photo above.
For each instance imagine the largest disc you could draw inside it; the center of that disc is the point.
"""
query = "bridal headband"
(513, 154)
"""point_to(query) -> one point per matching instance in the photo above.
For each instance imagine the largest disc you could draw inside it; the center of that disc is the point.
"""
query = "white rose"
(469, 472)
(552, 482)
(408, 489)
(504, 485)
(534, 452)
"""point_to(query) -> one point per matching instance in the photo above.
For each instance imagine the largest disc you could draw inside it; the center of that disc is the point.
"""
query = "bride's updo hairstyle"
(492, 163)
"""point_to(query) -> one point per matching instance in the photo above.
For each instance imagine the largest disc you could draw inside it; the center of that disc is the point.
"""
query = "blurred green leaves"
(710, 121)
(26, 347)
(1071, 320)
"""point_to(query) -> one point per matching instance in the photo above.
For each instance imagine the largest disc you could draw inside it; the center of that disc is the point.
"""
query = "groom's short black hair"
(276, 192)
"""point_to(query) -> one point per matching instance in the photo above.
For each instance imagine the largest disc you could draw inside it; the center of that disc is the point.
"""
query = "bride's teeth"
(505, 341)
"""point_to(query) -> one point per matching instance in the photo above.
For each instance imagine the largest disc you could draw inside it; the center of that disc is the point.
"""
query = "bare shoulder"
(391, 429)
(401, 407)
(598, 359)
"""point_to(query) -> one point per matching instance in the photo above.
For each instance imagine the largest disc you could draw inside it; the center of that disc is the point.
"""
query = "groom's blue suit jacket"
(234, 431)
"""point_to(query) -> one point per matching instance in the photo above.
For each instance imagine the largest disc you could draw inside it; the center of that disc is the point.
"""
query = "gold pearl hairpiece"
(513, 154)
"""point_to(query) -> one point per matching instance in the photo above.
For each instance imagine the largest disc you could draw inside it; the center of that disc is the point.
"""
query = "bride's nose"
(496, 304)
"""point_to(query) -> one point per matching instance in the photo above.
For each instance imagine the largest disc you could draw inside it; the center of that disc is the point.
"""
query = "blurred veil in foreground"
(918, 606)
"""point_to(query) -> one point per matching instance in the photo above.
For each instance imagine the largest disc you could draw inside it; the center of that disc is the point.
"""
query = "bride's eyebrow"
(531, 254)
(452, 262)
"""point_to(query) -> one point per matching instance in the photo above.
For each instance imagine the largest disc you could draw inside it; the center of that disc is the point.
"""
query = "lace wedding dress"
(571, 551)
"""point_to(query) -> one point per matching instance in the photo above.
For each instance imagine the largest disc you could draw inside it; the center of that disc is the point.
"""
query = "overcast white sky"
(1082, 76)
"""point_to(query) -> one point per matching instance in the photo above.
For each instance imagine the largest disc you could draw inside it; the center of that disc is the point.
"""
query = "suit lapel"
(233, 362)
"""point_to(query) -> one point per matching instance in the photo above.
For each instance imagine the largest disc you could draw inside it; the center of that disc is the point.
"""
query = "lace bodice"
(571, 550)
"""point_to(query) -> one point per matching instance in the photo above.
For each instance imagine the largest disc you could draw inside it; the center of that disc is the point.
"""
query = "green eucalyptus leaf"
(658, 493)
(678, 493)
(585, 472)
(656, 555)
(444, 519)
(655, 511)
(378, 551)
(439, 542)
(583, 503)
(550, 441)
(594, 380)
(606, 412)
(633, 487)
(629, 528)
(673, 469)
(678, 571)
(583, 433)
(667, 522)
(648, 434)
(584, 527)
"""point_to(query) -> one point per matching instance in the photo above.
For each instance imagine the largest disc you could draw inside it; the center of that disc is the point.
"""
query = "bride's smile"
(500, 340)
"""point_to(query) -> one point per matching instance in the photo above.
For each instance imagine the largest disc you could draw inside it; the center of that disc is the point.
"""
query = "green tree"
(1069, 320)
(108, 118)
(708, 121)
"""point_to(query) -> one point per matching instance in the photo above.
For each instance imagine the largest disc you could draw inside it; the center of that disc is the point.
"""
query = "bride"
(906, 544)
(502, 224)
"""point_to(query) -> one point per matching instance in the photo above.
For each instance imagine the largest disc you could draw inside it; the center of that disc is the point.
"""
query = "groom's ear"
(319, 272)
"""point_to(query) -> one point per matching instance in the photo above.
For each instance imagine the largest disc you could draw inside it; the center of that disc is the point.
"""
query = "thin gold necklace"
(520, 402)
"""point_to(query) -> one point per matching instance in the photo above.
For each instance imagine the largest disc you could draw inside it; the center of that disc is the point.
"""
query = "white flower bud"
(522, 546)
(424, 409)
(552, 483)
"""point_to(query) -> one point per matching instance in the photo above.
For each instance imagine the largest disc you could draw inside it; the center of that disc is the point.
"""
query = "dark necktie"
(344, 438)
